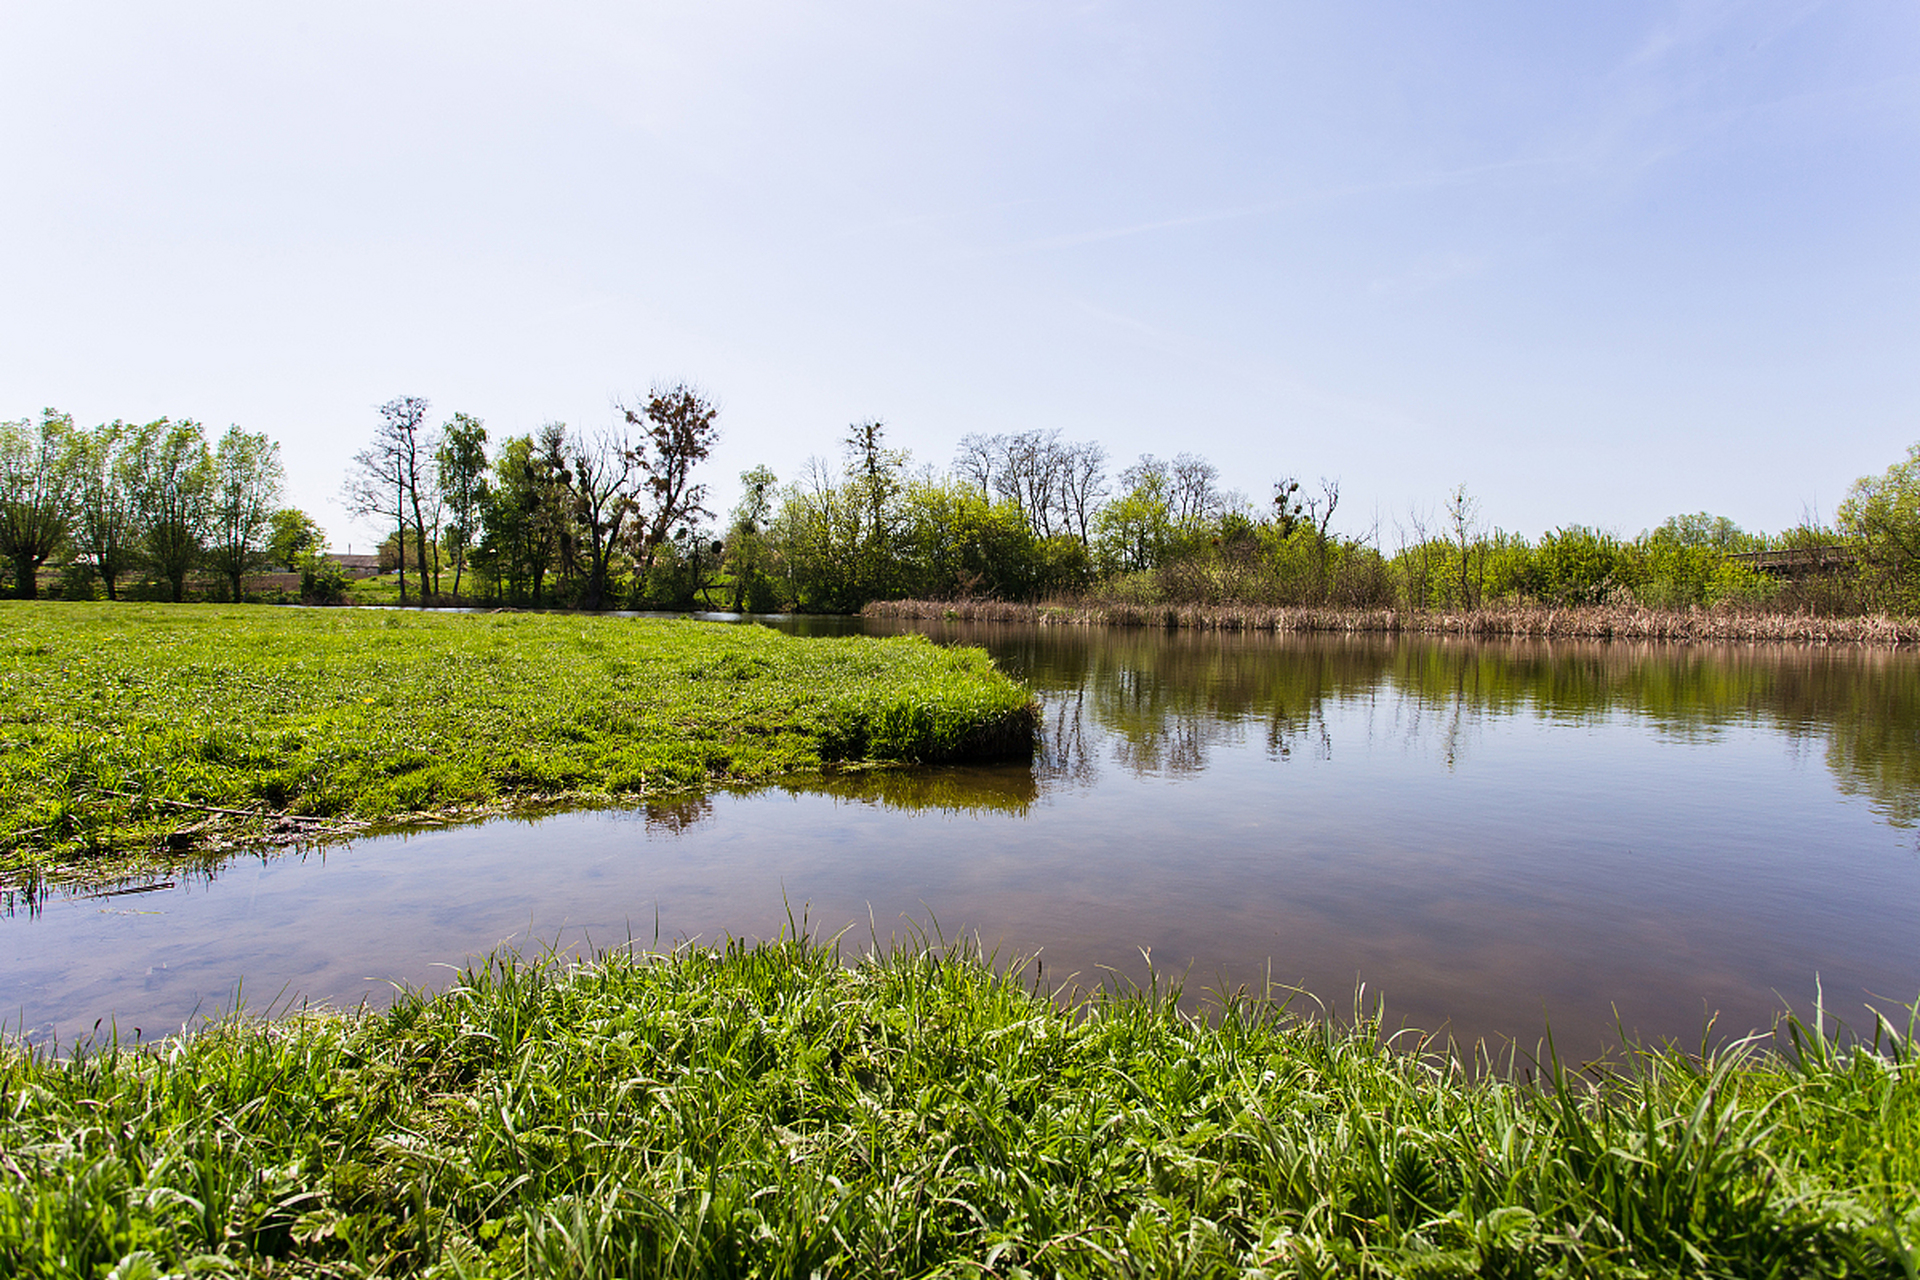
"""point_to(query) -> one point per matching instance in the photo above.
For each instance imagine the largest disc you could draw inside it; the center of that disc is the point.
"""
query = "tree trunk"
(26, 577)
(419, 544)
(400, 553)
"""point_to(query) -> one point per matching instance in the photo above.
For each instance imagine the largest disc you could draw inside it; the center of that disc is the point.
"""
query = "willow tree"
(172, 476)
(38, 482)
(243, 492)
(106, 523)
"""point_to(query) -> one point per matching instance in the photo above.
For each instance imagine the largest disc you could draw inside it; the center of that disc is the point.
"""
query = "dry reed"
(1592, 622)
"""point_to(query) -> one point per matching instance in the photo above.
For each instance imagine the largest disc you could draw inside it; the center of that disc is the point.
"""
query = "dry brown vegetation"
(1605, 622)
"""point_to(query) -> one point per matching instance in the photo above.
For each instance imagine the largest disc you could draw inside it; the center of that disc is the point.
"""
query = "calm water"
(1488, 835)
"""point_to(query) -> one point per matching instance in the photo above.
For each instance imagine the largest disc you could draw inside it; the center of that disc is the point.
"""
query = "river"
(1492, 838)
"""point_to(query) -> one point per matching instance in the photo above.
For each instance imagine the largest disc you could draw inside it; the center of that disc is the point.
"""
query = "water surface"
(1488, 835)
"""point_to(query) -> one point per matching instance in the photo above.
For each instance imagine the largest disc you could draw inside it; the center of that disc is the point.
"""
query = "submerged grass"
(768, 1111)
(125, 728)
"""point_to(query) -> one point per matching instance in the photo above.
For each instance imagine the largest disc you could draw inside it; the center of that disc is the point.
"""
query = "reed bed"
(1591, 622)
(769, 1110)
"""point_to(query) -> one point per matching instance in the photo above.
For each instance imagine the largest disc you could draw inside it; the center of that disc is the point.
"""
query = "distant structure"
(355, 566)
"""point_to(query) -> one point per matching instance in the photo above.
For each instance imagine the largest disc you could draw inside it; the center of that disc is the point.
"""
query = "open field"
(767, 1111)
(1588, 622)
(130, 728)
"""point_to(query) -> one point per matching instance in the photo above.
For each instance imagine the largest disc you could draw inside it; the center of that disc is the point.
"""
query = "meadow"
(130, 731)
(770, 1110)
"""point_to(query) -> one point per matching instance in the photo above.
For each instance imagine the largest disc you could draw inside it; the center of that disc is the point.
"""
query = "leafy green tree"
(460, 470)
(816, 540)
(107, 524)
(1683, 563)
(38, 490)
(1135, 532)
(1577, 565)
(875, 478)
(963, 544)
(748, 555)
(521, 514)
(1881, 515)
(172, 483)
(292, 533)
(243, 494)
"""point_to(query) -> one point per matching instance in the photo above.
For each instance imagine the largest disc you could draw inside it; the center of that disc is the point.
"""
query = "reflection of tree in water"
(1167, 698)
(674, 815)
(957, 789)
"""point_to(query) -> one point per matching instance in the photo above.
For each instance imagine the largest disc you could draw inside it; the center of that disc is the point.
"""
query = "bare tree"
(976, 460)
(1463, 514)
(1083, 483)
(386, 478)
(1033, 470)
(677, 434)
(600, 485)
(1193, 491)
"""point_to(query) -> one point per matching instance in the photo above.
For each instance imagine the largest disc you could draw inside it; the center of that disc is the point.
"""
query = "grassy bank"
(128, 728)
(765, 1111)
(1594, 622)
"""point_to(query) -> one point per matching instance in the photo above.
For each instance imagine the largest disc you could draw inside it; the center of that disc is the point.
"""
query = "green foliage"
(291, 535)
(770, 1110)
(747, 556)
(1683, 564)
(120, 726)
(1881, 516)
(1577, 565)
(322, 580)
(40, 481)
(522, 516)
(460, 473)
(172, 478)
(243, 487)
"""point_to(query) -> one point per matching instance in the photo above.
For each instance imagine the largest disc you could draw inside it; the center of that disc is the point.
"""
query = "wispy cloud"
(1266, 208)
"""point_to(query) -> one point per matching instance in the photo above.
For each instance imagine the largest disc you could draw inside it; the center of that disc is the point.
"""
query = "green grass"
(125, 727)
(767, 1111)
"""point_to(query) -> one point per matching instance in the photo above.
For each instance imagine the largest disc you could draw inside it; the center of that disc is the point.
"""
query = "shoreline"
(1591, 622)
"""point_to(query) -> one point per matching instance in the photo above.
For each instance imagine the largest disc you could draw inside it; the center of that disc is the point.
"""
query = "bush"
(322, 580)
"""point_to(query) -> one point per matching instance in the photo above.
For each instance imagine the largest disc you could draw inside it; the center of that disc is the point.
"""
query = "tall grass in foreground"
(766, 1111)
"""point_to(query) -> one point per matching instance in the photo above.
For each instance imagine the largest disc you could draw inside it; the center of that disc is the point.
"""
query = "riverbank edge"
(900, 719)
(770, 1109)
(1519, 622)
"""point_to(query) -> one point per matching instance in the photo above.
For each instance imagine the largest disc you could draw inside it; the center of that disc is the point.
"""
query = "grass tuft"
(770, 1110)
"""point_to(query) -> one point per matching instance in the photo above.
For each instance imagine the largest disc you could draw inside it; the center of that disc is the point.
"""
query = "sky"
(1599, 263)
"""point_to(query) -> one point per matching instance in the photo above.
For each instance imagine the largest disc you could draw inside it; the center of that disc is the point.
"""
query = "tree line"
(617, 517)
(154, 499)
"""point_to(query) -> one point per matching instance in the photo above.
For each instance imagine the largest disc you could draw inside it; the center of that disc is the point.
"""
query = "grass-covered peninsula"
(130, 728)
(769, 1111)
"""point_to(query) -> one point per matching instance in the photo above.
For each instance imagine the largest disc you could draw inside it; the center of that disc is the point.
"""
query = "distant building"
(356, 566)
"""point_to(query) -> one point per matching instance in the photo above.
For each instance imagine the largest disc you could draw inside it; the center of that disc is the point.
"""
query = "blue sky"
(1599, 263)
